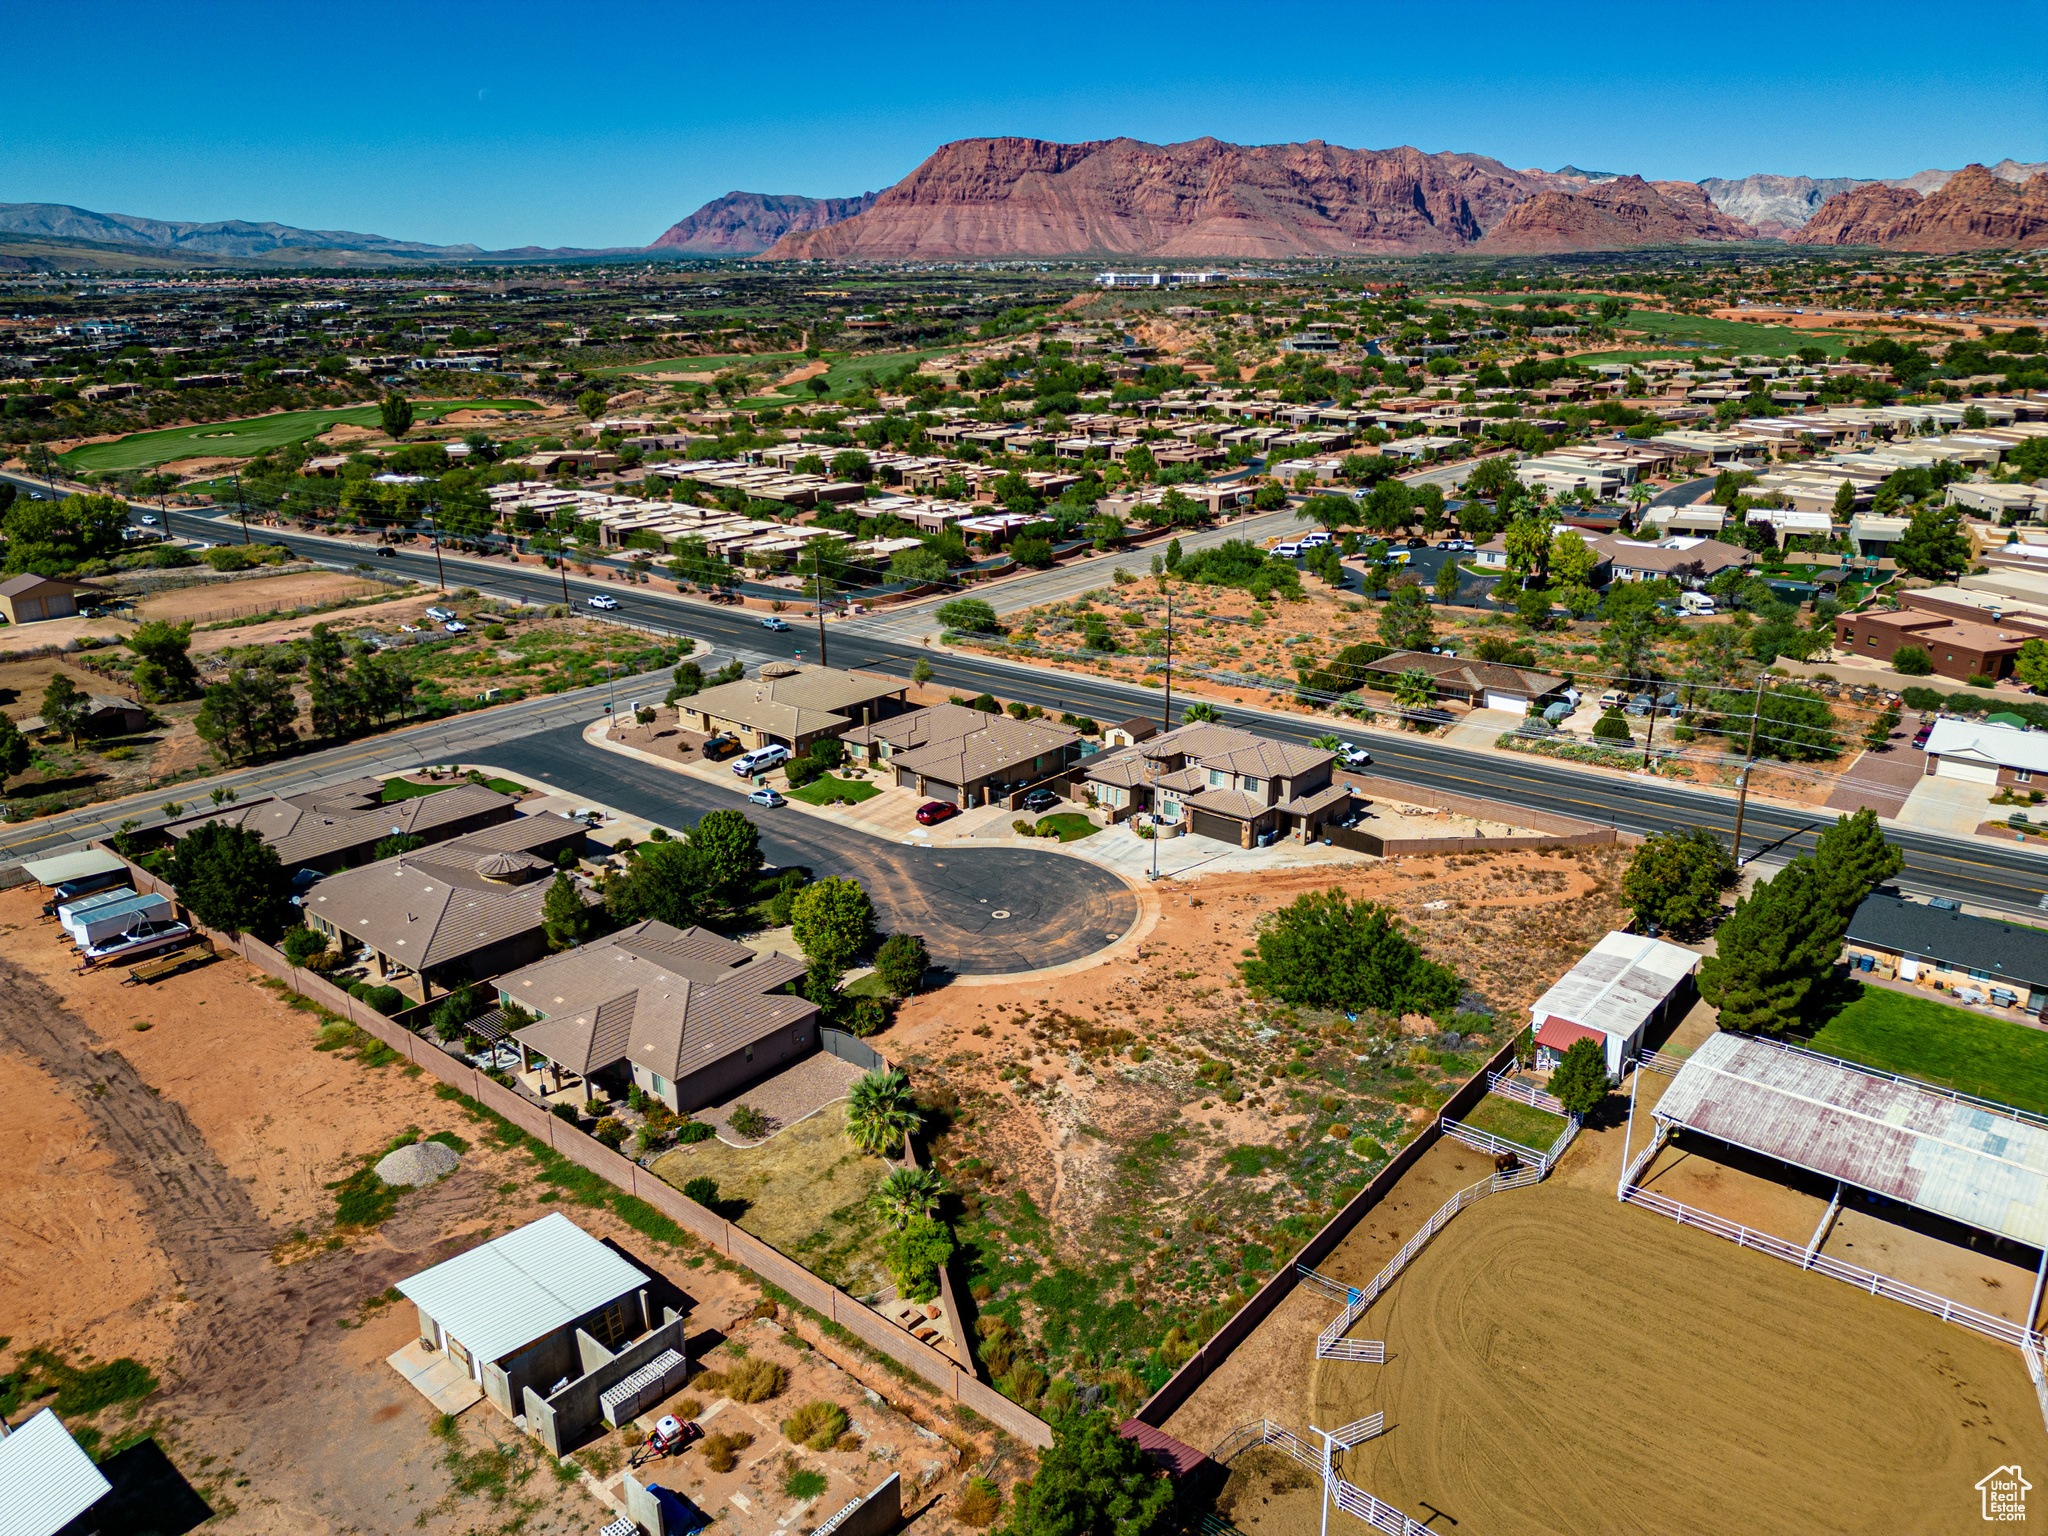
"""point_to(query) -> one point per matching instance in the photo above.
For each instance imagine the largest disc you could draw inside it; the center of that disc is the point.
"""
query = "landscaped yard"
(1523, 1124)
(1949, 1047)
(402, 789)
(245, 439)
(804, 1190)
(1071, 826)
(830, 789)
(1659, 326)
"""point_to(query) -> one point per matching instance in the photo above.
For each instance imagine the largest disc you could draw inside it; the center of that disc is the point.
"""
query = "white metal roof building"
(72, 866)
(505, 1294)
(46, 1481)
(1618, 987)
(1937, 1153)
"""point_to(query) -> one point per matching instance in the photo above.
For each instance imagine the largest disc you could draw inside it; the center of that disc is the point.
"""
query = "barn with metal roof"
(1618, 988)
(1940, 1153)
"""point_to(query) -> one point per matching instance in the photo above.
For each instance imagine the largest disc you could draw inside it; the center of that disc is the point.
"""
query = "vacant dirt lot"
(216, 598)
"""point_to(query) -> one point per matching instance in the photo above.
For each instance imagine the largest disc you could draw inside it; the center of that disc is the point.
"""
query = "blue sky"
(515, 124)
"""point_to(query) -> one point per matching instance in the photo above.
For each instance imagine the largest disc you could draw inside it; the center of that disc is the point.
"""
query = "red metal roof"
(1174, 1457)
(1559, 1034)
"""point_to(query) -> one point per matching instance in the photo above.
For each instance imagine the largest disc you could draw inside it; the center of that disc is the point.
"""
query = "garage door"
(1513, 702)
(1222, 828)
(1973, 773)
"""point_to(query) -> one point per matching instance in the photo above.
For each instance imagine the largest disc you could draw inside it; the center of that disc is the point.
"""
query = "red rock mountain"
(747, 223)
(1121, 197)
(1613, 215)
(1973, 210)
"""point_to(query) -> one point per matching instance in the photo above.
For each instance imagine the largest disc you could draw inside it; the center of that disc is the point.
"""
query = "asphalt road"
(1936, 864)
(982, 911)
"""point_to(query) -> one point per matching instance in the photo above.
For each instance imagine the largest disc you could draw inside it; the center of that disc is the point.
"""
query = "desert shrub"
(749, 1122)
(562, 1109)
(722, 1452)
(755, 1380)
(611, 1130)
(695, 1132)
(703, 1191)
(869, 1015)
(801, 1482)
(1912, 660)
(816, 1424)
(980, 1502)
(1612, 726)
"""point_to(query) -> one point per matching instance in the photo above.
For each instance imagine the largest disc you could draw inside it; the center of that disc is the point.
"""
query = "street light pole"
(1166, 708)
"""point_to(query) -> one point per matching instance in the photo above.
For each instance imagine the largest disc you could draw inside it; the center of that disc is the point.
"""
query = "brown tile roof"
(345, 817)
(801, 703)
(999, 745)
(1473, 676)
(1234, 803)
(1322, 799)
(672, 1000)
(920, 727)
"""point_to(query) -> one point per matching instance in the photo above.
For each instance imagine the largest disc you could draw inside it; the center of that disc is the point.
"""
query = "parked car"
(1040, 800)
(602, 603)
(1613, 698)
(718, 748)
(456, 627)
(767, 797)
(1920, 736)
(1287, 549)
(1446, 543)
(1354, 757)
(409, 629)
(440, 614)
(772, 622)
(760, 760)
(932, 812)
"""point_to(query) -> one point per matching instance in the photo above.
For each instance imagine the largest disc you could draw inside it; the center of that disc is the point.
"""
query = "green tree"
(1325, 951)
(732, 848)
(1914, 661)
(917, 1253)
(591, 403)
(303, 944)
(852, 464)
(395, 413)
(1845, 501)
(921, 672)
(335, 705)
(1414, 689)
(396, 846)
(1612, 726)
(1580, 1081)
(1934, 544)
(1491, 478)
(1200, 712)
(1852, 856)
(230, 879)
(164, 672)
(250, 712)
(688, 681)
(1573, 560)
(1773, 951)
(918, 566)
(564, 916)
(1878, 734)
(880, 1112)
(1793, 724)
(53, 537)
(971, 614)
(901, 962)
(907, 1193)
(665, 882)
(1447, 582)
(1092, 1482)
(1675, 881)
(2031, 665)
(1528, 542)
(16, 752)
(1406, 623)
(833, 921)
(64, 707)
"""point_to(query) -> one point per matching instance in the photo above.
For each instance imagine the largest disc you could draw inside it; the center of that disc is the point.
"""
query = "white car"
(771, 622)
(602, 603)
(767, 797)
(1354, 757)
(149, 519)
(760, 760)
(409, 629)
(456, 627)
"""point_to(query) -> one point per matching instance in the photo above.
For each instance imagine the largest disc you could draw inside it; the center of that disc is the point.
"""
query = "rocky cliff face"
(747, 223)
(1613, 215)
(1774, 206)
(1974, 209)
(1121, 197)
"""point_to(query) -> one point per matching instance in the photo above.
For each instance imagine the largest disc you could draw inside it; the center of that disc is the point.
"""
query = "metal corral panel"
(46, 1481)
(521, 1287)
(1618, 984)
(1983, 1169)
(72, 866)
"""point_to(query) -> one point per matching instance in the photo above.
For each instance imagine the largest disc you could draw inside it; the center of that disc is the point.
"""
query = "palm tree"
(879, 1112)
(906, 1193)
(1326, 744)
(1414, 689)
(1638, 494)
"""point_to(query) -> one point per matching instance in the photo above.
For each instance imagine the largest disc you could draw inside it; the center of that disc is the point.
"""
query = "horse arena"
(1542, 1357)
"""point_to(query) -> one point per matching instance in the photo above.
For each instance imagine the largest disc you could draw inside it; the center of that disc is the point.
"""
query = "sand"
(228, 599)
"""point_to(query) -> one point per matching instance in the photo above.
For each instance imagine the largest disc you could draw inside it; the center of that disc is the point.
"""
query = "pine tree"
(564, 917)
(1852, 856)
(1773, 951)
(1580, 1081)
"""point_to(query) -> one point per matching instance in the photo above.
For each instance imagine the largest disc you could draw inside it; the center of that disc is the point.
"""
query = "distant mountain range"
(979, 198)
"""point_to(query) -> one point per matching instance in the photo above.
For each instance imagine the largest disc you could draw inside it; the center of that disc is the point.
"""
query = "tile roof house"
(684, 1014)
(1482, 684)
(464, 910)
(791, 706)
(332, 828)
(1216, 781)
(1891, 937)
(964, 755)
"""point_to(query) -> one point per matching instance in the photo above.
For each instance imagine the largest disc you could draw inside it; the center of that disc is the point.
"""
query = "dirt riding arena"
(1558, 1362)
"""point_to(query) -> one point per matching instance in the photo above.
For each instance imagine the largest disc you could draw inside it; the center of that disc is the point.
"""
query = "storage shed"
(46, 1481)
(1623, 984)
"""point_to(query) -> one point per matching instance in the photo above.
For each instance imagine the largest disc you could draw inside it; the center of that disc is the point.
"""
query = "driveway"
(982, 911)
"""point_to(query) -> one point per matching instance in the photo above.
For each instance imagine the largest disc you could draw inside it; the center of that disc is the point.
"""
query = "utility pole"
(1166, 710)
(1651, 736)
(241, 507)
(1742, 779)
(440, 575)
(818, 570)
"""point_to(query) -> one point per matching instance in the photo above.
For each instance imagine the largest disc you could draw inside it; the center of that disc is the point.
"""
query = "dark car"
(386, 552)
(719, 747)
(933, 812)
(1920, 736)
(1041, 800)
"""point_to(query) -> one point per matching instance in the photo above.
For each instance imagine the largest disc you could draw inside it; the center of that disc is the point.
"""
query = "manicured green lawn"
(1072, 826)
(779, 362)
(830, 789)
(1523, 1124)
(843, 377)
(1949, 1047)
(400, 789)
(245, 439)
(1659, 326)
